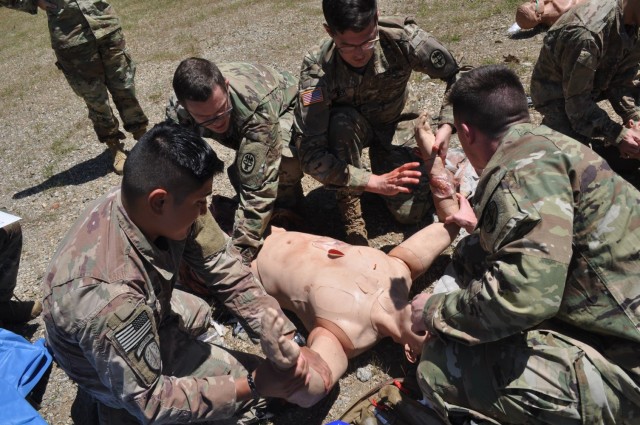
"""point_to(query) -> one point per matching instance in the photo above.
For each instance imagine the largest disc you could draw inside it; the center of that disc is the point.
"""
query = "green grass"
(451, 38)
(466, 11)
(61, 146)
(49, 170)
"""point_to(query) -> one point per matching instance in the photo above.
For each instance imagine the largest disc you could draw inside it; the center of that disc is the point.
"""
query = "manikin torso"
(553, 9)
(307, 275)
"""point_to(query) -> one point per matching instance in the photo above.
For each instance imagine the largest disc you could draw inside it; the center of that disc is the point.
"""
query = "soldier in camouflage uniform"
(545, 327)
(354, 94)
(13, 311)
(592, 54)
(90, 50)
(113, 319)
(247, 108)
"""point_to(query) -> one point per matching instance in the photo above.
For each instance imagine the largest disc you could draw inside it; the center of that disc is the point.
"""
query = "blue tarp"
(22, 365)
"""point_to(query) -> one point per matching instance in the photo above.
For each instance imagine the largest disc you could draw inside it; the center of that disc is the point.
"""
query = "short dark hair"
(195, 79)
(490, 98)
(170, 157)
(352, 15)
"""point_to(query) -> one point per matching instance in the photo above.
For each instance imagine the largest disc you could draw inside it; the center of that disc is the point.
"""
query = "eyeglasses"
(367, 45)
(218, 117)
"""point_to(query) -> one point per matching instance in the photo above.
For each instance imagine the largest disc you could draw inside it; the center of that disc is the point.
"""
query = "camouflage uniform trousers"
(537, 377)
(389, 148)
(97, 68)
(10, 250)
(290, 173)
(556, 118)
(182, 355)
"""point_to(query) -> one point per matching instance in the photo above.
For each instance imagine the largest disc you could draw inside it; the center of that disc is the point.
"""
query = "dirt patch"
(52, 164)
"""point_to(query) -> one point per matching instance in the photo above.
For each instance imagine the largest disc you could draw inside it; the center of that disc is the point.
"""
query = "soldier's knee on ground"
(412, 208)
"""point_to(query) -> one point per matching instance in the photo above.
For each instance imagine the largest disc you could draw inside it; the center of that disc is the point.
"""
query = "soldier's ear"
(411, 356)
(157, 200)
(468, 132)
(328, 30)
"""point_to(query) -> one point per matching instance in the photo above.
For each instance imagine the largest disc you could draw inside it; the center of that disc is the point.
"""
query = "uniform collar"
(162, 257)
(494, 172)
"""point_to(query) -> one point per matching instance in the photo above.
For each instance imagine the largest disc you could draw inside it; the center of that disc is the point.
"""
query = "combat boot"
(116, 147)
(19, 311)
(139, 133)
(351, 216)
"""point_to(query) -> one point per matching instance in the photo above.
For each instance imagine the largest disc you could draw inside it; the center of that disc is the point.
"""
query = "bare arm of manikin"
(421, 249)
(283, 354)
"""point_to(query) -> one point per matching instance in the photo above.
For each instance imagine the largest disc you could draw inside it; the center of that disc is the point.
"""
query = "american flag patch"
(312, 96)
(134, 332)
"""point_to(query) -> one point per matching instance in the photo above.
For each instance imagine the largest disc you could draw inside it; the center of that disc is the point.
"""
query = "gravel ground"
(52, 164)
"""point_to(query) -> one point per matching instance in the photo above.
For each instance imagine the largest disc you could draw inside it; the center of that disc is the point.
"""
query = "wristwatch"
(299, 339)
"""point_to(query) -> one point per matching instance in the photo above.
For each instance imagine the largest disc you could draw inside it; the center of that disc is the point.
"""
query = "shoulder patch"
(152, 355)
(130, 336)
(137, 343)
(247, 163)
(438, 59)
(311, 96)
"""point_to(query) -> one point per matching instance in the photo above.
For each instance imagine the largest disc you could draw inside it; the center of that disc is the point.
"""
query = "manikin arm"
(420, 250)
(440, 179)
(284, 354)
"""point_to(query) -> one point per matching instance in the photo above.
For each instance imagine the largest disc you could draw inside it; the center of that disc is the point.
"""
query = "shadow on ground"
(386, 355)
(324, 219)
(79, 174)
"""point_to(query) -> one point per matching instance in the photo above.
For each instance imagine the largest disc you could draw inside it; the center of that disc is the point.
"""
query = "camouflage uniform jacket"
(560, 232)
(590, 55)
(75, 21)
(260, 96)
(106, 279)
(380, 94)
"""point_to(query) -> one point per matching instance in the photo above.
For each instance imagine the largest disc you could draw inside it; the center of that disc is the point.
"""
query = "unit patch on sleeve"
(437, 59)
(129, 336)
(247, 163)
(137, 342)
(312, 96)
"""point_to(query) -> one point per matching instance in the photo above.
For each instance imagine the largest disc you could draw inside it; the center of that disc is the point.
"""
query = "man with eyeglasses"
(354, 94)
(247, 108)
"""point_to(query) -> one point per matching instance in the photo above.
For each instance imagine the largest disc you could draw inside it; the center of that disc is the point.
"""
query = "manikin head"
(204, 93)
(396, 322)
(167, 178)
(353, 26)
(486, 101)
(411, 341)
(527, 15)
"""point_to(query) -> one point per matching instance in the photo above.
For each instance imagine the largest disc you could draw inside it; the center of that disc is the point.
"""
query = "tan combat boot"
(139, 133)
(19, 311)
(116, 147)
(351, 216)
